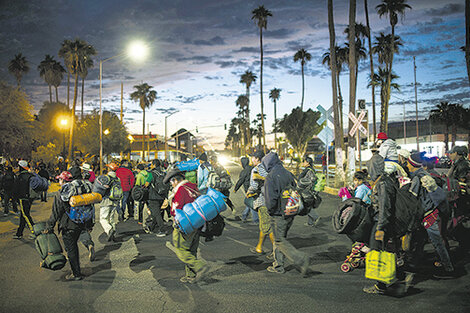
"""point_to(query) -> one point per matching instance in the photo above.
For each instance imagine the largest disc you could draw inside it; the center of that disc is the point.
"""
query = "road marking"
(238, 241)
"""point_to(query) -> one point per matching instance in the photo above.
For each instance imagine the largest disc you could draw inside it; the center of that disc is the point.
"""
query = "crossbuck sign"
(357, 123)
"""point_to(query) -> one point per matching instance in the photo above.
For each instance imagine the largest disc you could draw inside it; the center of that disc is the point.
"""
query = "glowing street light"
(137, 50)
(106, 132)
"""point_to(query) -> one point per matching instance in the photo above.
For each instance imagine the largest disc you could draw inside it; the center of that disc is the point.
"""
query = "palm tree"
(339, 139)
(371, 60)
(392, 8)
(341, 54)
(442, 115)
(248, 78)
(303, 56)
(46, 71)
(381, 79)
(260, 15)
(74, 54)
(58, 75)
(274, 95)
(87, 64)
(352, 62)
(242, 103)
(146, 97)
(66, 46)
(360, 55)
(18, 67)
(456, 112)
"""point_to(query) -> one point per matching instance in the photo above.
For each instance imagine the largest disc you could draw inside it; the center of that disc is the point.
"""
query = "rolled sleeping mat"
(186, 166)
(49, 248)
(85, 199)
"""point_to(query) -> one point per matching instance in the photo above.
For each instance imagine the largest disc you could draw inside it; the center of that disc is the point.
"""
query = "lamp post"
(63, 123)
(166, 136)
(136, 50)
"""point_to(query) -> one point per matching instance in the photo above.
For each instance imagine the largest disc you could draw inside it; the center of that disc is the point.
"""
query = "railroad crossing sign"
(325, 114)
(357, 123)
(326, 135)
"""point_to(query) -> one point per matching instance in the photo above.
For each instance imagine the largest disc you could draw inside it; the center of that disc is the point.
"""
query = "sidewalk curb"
(331, 191)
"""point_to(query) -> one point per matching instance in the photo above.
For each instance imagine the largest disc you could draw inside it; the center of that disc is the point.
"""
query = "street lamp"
(166, 137)
(136, 50)
(63, 121)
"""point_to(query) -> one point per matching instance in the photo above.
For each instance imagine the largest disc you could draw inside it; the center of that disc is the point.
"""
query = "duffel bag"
(139, 193)
(214, 227)
(49, 248)
(102, 184)
(38, 183)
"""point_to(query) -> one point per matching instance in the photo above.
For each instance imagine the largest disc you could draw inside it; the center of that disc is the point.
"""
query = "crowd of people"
(150, 194)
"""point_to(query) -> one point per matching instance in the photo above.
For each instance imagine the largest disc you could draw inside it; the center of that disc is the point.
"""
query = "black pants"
(130, 206)
(156, 225)
(25, 217)
(44, 196)
(7, 198)
(70, 238)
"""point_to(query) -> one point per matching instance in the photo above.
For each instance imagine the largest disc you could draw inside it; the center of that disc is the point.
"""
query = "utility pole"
(122, 96)
(404, 123)
(416, 104)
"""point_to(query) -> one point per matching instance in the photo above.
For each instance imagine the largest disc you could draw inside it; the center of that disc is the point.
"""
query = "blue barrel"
(190, 165)
(203, 209)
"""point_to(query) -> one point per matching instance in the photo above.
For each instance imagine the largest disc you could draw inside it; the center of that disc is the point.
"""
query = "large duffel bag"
(353, 218)
(191, 176)
(203, 209)
(102, 184)
(38, 183)
(49, 248)
(187, 166)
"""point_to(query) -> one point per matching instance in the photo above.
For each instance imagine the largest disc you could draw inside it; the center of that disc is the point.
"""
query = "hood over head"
(270, 161)
(376, 166)
(245, 162)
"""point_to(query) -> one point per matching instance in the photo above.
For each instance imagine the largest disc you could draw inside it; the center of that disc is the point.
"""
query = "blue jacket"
(203, 175)
(363, 192)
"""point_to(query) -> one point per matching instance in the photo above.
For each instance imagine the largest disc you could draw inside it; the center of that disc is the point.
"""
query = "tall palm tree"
(65, 47)
(58, 75)
(392, 8)
(371, 62)
(274, 95)
(146, 97)
(360, 55)
(46, 71)
(74, 54)
(381, 79)
(87, 64)
(341, 55)
(242, 103)
(248, 78)
(18, 67)
(442, 115)
(303, 56)
(260, 15)
(339, 139)
(352, 62)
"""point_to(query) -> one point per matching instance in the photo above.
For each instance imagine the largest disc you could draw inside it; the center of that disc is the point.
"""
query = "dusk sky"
(199, 49)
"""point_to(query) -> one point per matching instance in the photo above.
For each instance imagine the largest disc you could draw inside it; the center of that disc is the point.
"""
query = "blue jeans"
(122, 206)
(436, 240)
(312, 216)
(254, 214)
(283, 248)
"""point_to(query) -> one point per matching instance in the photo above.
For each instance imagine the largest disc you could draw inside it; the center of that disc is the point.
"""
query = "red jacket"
(127, 178)
(186, 192)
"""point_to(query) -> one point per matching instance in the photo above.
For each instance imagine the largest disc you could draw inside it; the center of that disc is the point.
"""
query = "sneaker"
(160, 234)
(272, 269)
(305, 266)
(186, 279)
(209, 239)
(147, 231)
(17, 237)
(317, 221)
(443, 274)
(200, 274)
(237, 218)
(111, 235)
(32, 236)
(309, 225)
(374, 289)
(91, 254)
(72, 277)
(270, 256)
(5, 214)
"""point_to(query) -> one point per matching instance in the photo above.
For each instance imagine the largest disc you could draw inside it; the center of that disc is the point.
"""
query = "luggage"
(291, 202)
(354, 219)
(85, 199)
(81, 214)
(408, 212)
(115, 190)
(187, 166)
(102, 184)
(158, 189)
(214, 227)
(219, 180)
(191, 176)
(139, 193)
(49, 248)
(321, 182)
(203, 209)
(381, 266)
(38, 183)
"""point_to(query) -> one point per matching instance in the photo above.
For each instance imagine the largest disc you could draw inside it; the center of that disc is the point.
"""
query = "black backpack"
(214, 227)
(157, 187)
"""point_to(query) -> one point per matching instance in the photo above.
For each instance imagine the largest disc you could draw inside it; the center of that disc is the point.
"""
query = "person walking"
(127, 178)
(244, 180)
(21, 191)
(110, 202)
(277, 180)
(309, 178)
(143, 179)
(43, 173)
(203, 173)
(152, 220)
(8, 185)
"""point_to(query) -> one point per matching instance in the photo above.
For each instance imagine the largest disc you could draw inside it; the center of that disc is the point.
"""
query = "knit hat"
(65, 176)
(203, 157)
(23, 164)
(460, 150)
(382, 136)
(86, 167)
(416, 159)
(172, 173)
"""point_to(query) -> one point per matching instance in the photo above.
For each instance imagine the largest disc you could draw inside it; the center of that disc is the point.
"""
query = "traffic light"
(197, 131)
(225, 126)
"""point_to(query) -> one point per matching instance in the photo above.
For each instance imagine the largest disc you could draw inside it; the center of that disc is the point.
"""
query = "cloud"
(197, 59)
(227, 64)
(448, 9)
(281, 33)
(246, 49)
(215, 41)
(186, 100)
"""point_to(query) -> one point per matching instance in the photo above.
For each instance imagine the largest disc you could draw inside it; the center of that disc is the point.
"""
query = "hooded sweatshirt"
(244, 178)
(388, 150)
(277, 180)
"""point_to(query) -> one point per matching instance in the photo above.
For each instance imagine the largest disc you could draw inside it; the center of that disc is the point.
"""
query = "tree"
(442, 115)
(456, 112)
(361, 33)
(17, 126)
(381, 79)
(391, 8)
(45, 69)
(371, 60)
(63, 53)
(260, 15)
(18, 67)
(300, 127)
(467, 37)
(87, 64)
(47, 153)
(113, 142)
(49, 117)
(75, 54)
(248, 78)
(146, 97)
(303, 56)
(233, 137)
(242, 103)
(274, 95)
(58, 75)
(464, 117)
(339, 139)
(258, 130)
(352, 61)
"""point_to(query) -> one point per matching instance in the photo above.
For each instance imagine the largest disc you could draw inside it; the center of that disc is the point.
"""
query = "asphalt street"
(138, 273)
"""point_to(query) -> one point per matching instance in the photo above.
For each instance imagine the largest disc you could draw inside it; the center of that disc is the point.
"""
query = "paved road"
(139, 274)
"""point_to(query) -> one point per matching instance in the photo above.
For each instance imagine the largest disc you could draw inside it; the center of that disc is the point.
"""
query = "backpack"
(291, 202)
(306, 187)
(214, 227)
(353, 218)
(79, 214)
(102, 184)
(408, 212)
(115, 189)
(139, 193)
(38, 183)
(157, 184)
(452, 188)
(219, 180)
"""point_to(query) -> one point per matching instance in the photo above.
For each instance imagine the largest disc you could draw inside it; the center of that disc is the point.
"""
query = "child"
(361, 190)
